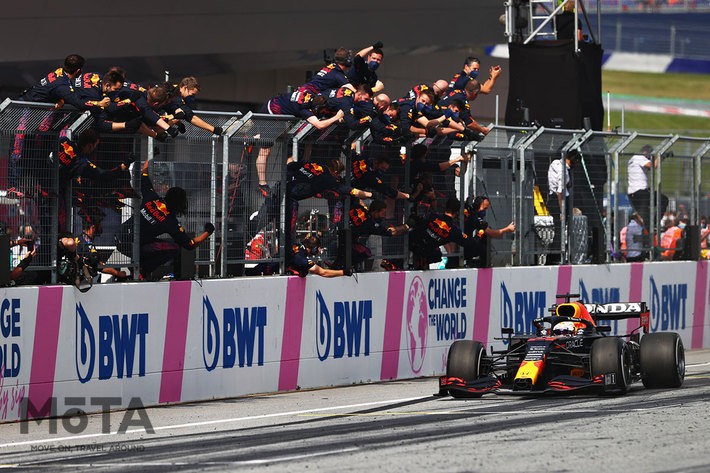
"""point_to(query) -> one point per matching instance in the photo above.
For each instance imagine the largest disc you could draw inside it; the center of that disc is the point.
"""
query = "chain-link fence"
(59, 175)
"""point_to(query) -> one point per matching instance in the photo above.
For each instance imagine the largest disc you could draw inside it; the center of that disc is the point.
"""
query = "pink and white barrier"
(184, 341)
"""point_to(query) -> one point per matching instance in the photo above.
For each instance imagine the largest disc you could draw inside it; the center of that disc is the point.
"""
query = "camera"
(30, 246)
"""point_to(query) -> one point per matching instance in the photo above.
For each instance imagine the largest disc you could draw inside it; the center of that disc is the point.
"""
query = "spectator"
(634, 238)
(671, 240)
(557, 193)
(158, 216)
(638, 187)
(478, 230)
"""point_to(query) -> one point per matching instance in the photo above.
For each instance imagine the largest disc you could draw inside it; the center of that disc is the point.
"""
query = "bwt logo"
(116, 344)
(348, 328)
(519, 311)
(241, 332)
(601, 295)
(668, 302)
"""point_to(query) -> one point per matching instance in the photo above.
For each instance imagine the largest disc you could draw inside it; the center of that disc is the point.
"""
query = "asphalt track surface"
(396, 426)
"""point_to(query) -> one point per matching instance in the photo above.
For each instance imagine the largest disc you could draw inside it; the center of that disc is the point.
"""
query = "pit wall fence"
(151, 344)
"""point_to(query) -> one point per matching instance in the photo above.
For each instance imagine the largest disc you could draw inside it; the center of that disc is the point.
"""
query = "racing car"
(572, 350)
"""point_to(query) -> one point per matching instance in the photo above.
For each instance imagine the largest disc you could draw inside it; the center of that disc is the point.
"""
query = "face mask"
(482, 213)
(422, 107)
(373, 65)
(473, 74)
(681, 225)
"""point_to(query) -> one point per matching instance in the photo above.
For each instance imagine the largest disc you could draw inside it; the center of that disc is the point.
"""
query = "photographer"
(638, 188)
(18, 275)
(72, 268)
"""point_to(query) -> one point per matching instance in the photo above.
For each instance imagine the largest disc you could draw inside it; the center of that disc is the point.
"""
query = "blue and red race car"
(571, 351)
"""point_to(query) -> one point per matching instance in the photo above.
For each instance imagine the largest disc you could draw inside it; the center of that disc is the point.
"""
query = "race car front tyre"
(464, 360)
(662, 358)
(611, 359)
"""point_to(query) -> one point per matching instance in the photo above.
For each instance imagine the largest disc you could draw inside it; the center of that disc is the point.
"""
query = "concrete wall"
(185, 341)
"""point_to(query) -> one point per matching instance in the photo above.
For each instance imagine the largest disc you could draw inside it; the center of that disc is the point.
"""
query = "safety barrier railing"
(238, 182)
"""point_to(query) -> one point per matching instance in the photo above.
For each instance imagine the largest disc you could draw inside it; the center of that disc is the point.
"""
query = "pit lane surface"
(396, 426)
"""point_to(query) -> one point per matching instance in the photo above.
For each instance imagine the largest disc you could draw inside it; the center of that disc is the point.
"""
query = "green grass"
(660, 123)
(670, 85)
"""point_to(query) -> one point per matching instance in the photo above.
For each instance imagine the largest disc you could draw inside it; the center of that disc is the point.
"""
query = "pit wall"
(160, 343)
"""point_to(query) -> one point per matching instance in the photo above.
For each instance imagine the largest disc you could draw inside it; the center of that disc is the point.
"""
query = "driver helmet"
(564, 328)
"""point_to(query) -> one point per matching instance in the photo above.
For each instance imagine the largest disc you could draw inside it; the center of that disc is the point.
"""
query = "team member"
(331, 76)
(478, 230)
(470, 71)
(301, 260)
(366, 221)
(158, 216)
(369, 174)
(365, 63)
(302, 105)
(434, 231)
(57, 86)
(182, 104)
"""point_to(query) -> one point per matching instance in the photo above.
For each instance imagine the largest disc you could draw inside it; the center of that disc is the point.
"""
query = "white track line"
(212, 422)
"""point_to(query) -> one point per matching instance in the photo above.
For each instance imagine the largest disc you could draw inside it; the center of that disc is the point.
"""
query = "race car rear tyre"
(662, 358)
(611, 359)
(465, 360)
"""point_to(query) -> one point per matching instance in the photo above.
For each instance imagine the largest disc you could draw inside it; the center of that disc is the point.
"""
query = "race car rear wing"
(621, 310)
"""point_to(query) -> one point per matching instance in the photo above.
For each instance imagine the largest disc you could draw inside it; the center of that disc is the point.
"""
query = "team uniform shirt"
(299, 260)
(157, 220)
(474, 226)
(298, 104)
(458, 94)
(358, 115)
(87, 87)
(365, 176)
(459, 81)
(360, 73)
(440, 229)
(311, 179)
(637, 173)
(55, 87)
(384, 131)
(185, 104)
(74, 164)
(330, 77)
(414, 92)
(554, 178)
(130, 103)
(363, 224)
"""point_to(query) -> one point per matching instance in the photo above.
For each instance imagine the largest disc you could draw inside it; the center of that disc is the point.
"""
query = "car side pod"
(662, 359)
